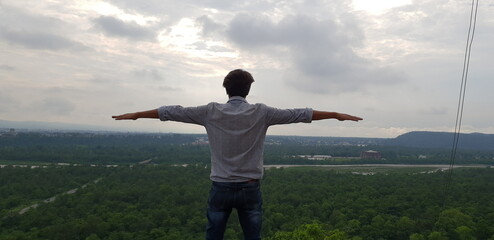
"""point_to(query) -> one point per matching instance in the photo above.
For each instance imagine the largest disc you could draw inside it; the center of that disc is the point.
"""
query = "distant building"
(10, 132)
(370, 154)
(315, 157)
(201, 141)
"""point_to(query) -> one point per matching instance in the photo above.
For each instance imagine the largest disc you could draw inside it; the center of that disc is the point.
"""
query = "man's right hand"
(127, 116)
(319, 115)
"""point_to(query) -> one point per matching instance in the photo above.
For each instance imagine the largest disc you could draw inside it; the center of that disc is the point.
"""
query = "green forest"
(88, 186)
(169, 202)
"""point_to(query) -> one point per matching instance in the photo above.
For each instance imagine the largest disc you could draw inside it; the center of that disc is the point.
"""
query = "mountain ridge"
(428, 139)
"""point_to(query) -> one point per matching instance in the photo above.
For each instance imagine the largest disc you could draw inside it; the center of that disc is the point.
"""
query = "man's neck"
(237, 98)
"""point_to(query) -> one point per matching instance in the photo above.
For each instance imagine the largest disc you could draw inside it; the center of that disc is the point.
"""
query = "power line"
(463, 87)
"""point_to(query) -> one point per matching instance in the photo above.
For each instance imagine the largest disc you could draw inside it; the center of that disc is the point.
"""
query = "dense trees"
(100, 148)
(168, 202)
(22, 187)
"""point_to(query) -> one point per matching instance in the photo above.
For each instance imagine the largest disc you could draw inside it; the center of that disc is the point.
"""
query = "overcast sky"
(397, 63)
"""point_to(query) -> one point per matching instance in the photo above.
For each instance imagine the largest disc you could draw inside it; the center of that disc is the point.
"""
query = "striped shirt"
(236, 132)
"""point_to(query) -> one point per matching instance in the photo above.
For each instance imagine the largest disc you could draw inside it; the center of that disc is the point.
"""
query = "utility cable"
(463, 87)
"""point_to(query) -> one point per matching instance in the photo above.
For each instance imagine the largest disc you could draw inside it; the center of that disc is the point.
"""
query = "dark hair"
(237, 83)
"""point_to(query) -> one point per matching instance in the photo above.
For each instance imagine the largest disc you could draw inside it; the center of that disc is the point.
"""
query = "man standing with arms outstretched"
(236, 132)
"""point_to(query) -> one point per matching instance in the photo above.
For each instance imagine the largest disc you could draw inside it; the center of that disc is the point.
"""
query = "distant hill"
(45, 125)
(419, 139)
(476, 141)
(33, 125)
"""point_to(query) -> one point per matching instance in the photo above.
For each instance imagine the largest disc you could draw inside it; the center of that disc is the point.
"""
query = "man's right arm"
(320, 115)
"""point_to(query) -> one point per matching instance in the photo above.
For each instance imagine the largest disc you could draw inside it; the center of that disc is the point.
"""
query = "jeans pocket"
(252, 198)
(219, 200)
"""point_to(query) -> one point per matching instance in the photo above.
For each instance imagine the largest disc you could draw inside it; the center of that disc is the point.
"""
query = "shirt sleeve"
(286, 116)
(195, 115)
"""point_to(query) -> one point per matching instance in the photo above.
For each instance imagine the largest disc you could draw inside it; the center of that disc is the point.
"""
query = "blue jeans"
(245, 197)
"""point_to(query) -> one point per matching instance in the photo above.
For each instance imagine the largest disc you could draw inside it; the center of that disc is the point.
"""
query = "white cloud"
(208, 25)
(7, 102)
(378, 7)
(35, 31)
(57, 106)
(115, 27)
(319, 55)
(39, 40)
(152, 74)
(5, 67)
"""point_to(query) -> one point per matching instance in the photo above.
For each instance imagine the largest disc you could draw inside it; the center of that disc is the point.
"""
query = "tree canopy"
(169, 202)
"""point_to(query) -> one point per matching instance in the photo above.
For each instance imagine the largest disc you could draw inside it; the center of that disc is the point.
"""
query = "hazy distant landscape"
(110, 147)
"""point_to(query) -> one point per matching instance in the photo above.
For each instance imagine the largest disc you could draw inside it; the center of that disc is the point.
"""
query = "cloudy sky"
(396, 63)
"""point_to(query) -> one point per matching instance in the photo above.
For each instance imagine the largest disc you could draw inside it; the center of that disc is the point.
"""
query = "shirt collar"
(237, 99)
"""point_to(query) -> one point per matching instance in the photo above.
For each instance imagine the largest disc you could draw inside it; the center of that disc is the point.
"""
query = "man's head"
(237, 83)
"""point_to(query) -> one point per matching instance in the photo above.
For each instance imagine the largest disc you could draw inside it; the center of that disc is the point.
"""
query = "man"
(236, 132)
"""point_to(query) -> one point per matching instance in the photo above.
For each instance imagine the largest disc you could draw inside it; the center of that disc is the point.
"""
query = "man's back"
(236, 132)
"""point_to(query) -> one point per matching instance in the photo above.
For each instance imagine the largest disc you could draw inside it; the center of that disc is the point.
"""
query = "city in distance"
(106, 147)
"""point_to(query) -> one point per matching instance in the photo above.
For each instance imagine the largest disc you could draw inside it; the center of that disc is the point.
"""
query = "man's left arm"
(136, 115)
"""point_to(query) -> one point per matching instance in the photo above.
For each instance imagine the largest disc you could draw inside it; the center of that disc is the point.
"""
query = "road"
(439, 166)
